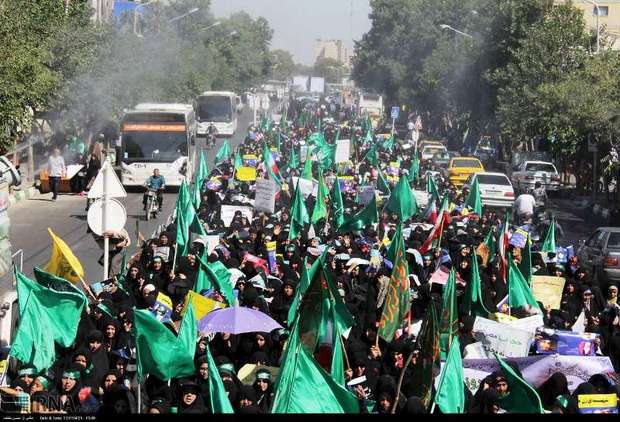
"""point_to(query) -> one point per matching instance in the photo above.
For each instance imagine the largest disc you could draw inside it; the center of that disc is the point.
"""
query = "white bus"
(157, 136)
(219, 108)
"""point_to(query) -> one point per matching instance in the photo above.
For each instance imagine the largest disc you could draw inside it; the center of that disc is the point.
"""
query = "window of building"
(602, 11)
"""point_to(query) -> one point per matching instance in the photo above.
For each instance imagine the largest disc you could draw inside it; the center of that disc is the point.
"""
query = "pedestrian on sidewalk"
(57, 170)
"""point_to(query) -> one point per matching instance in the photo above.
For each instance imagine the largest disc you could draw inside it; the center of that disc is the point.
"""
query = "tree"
(330, 69)
(283, 65)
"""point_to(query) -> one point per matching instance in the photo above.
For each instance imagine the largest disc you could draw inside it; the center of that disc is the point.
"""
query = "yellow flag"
(63, 262)
(202, 305)
(246, 174)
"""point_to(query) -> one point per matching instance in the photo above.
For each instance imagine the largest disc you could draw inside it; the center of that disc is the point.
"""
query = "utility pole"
(598, 27)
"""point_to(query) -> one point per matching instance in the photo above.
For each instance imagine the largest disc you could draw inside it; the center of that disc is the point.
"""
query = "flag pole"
(344, 349)
(400, 381)
(87, 288)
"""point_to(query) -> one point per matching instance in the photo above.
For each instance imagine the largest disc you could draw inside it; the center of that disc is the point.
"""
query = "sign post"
(593, 147)
(395, 113)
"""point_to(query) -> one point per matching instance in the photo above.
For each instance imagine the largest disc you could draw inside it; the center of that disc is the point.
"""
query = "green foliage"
(330, 69)
(283, 65)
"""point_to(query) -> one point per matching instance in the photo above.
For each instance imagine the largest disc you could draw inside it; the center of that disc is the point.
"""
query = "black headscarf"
(556, 385)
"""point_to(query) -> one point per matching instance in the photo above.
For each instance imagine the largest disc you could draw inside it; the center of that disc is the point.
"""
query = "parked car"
(495, 189)
(526, 174)
(600, 255)
(460, 168)
(430, 150)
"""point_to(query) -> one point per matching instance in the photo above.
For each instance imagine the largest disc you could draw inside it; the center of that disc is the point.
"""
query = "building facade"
(331, 49)
(608, 18)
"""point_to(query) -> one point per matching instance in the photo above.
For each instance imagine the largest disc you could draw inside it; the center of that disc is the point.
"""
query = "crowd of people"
(98, 374)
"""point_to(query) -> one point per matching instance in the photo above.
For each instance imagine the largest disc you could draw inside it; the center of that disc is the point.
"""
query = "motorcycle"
(152, 204)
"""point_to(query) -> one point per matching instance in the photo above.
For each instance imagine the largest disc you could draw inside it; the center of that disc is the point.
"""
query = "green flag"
(382, 184)
(320, 206)
(337, 204)
(474, 201)
(428, 358)
(337, 367)
(238, 161)
(224, 153)
(293, 161)
(490, 242)
(46, 317)
(214, 274)
(53, 282)
(388, 143)
(304, 387)
(549, 243)
(522, 397)
(449, 325)
(218, 396)
(371, 156)
(397, 305)
(525, 266)
(366, 217)
(450, 395)
(299, 214)
(186, 215)
(201, 174)
(414, 170)
(431, 187)
(519, 291)
(402, 201)
(307, 173)
(474, 305)
(159, 352)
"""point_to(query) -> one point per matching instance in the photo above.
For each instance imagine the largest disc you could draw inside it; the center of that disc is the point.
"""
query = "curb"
(22, 195)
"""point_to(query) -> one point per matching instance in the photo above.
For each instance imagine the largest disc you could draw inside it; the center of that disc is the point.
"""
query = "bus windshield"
(154, 146)
(214, 109)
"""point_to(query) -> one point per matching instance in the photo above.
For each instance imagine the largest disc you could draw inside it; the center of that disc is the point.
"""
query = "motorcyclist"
(211, 133)
(157, 183)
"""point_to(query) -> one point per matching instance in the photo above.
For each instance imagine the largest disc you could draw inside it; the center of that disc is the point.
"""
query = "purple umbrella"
(237, 320)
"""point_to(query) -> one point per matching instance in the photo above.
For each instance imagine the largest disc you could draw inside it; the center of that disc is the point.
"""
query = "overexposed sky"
(297, 23)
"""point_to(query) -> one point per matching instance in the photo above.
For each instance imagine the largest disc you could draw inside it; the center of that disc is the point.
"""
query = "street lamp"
(191, 11)
(598, 28)
(216, 23)
(444, 26)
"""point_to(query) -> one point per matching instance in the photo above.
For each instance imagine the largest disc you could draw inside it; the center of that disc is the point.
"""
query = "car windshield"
(214, 109)
(614, 240)
(493, 179)
(154, 146)
(549, 168)
(434, 150)
(466, 163)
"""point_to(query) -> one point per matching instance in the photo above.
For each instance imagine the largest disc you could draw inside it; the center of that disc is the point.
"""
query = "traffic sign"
(114, 186)
(395, 113)
(115, 219)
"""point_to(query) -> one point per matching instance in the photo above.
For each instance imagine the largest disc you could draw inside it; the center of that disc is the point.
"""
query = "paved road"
(67, 218)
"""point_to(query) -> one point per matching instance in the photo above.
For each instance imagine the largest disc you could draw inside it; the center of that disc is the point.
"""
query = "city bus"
(219, 108)
(157, 136)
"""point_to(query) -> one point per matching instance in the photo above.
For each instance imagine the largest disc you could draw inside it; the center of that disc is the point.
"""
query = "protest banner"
(548, 290)
(366, 194)
(250, 160)
(347, 183)
(202, 305)
(162, 308)
(303, 152)
(228, 212)
(343, 150)
(502, 339)
(597, 403)
(393, 169)
(421, 197)
(537, 369)
(271, 255)
(441, 276)
(566, 343)
(529, 324)
(306, 187)
(212, 243)
(163, 252)
(265, 195)
(214, 183)
(246, 174)
(476, 351)
(519, 237)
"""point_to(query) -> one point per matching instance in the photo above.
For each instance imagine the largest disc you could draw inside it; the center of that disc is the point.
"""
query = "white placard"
(503, 339)
(343, 150)
(228, 212)
(307, 187)
(421, 197)
(476, 351)
(529, 324)
(265, 199)
(212, 242)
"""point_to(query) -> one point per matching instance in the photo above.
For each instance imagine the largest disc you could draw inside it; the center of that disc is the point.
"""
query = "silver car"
(526, 174)
(600, 255)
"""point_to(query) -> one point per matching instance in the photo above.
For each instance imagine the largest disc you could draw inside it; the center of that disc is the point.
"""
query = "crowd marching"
(320, 267)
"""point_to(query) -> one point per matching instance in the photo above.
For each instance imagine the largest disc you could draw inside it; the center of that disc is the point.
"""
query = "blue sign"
(395, 112)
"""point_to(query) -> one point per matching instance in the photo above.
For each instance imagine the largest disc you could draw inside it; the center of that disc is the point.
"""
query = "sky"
(297, 23)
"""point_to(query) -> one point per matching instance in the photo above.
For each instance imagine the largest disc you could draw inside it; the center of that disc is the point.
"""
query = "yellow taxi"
(460, 168)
